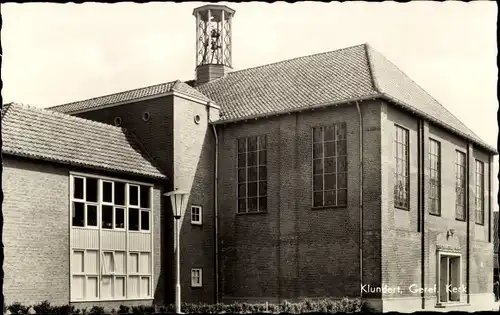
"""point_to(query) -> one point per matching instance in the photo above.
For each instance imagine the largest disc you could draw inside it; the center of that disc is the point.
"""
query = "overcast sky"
(58, 53)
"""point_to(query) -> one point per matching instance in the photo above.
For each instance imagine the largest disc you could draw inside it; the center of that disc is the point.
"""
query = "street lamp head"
(178, 198)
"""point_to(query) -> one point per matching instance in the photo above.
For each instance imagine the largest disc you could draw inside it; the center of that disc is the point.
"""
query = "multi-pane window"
(434, 177)
(111, 237)
(402, 161)
(329, 165)
(479, 192)
(196, 215)
(252, 174)
(196, 277)
(460, 186)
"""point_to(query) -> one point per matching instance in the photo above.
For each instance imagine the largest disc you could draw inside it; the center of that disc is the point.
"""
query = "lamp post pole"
(178, 199)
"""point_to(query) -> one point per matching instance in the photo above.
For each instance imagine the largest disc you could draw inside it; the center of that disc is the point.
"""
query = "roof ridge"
(46, 111)
(285, 61)
(151, 158)
(106, 95)
(5, 109)
(422, 89)
(370, 68)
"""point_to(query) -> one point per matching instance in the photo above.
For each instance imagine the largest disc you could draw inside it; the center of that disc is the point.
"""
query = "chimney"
(213, 42)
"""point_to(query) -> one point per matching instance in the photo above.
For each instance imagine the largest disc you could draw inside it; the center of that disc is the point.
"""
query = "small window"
(133, 219)
(119, 218)
(118, 121)
(107, 191)
(107, 217)
(119, 193)
(144, 220)
(91, 215)
(78, 188)
(196, 215)
(133, 195)
(145, 196)
(78, 214)
(92, 189)
(196, 278)
(146, 116)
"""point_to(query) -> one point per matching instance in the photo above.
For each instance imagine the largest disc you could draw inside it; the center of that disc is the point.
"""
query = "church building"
(326, 175)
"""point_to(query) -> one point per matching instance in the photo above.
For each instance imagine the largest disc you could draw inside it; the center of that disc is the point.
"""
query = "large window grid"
(434, 177)
(460, 171)
(329, 158)
(479, 192)
(252, 174)
(402, 161)
(104, 274)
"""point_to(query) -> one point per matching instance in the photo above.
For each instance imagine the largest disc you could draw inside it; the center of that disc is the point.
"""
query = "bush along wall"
(325, 305)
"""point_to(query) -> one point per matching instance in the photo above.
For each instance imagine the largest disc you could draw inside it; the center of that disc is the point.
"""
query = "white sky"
(58, 53)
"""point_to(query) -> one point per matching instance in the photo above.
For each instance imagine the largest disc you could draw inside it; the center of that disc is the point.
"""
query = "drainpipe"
(360, 198)
(216, 210)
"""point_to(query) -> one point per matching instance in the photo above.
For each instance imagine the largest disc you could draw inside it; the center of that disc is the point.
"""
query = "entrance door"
(449, 279)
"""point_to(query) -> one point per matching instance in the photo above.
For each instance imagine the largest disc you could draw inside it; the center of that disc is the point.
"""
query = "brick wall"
(36, 232)
(288, 251)
(185, 151)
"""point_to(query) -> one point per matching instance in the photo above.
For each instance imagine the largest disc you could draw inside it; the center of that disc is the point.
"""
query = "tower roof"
(214, 7)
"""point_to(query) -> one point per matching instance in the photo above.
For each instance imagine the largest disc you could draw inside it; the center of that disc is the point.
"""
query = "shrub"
(97, 310)
(143, 309)
(18, 308)
(123, 309)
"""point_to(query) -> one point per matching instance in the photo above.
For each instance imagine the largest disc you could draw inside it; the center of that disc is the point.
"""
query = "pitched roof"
(47, 135)
(131, 95)
(339, 76)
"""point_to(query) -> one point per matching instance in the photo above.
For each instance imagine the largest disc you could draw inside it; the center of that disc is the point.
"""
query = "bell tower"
(213, 42)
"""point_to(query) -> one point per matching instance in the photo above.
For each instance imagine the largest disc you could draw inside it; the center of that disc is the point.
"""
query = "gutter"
(360, 198)
(216, 210)
(421, 204)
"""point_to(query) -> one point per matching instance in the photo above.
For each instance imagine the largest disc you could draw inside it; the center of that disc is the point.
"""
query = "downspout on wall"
(360, 198)
(216, 209)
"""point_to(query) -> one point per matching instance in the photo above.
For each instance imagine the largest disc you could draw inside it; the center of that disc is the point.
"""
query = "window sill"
(196, 223)
(402, 208)
(451, 304)
(480, 224)
(112, 300)
(329, 207)
(251, 213)
(460, 220)
(435, 214)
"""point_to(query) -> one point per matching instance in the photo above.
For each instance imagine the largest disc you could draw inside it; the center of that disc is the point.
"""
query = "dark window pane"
(318, 182)
(342, 164)
(330, 165)
(318, 199)
(107, 191)
(145, 194)
(145, 220)
(329, 149)
(262, 143)
(119, 218)
(107, 217)
(317, 150)
(263, 188)
(342, 197)
(341, 131)
(252, 204)
(317, 134)
(262, 157)
(342, 180)
(329, 133)
(252, 144)
(78, 188)
(119, 193)
(318, 166)
(263, 204)
(133, 219)
(342, 147)
(330, 182)
(330, 198)
(242, 160)
(242, 190)
(91, 215)
(242, 205)
(252, 174)
(262, 173)
(78, 214)
(252, 158)
(92, 189)
(252, 189)
(242, 175)
(133, 195)
(242, 145)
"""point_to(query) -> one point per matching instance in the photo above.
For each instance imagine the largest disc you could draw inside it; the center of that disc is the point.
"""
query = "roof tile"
(48, 135)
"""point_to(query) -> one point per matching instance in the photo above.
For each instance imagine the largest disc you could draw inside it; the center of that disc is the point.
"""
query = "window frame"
(463, 185)
(258, 179)
(479, 176)
(193, 283)
(336, 140)
(200, 214)
(149, 188)
(406, 161)
(438, 184)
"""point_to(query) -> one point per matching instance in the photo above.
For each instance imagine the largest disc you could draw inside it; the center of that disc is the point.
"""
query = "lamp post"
(178, 199)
